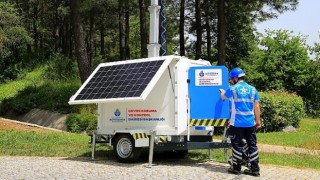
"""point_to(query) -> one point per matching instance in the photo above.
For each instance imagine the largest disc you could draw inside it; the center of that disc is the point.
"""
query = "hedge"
(78, 123)
(279, 110)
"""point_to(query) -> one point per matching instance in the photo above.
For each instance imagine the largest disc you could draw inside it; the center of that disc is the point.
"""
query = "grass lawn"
(10, 89)
(35, 142)
(307, 136)
(292, 160)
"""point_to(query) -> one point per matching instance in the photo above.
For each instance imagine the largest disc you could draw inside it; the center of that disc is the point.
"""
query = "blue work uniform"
(242, 123)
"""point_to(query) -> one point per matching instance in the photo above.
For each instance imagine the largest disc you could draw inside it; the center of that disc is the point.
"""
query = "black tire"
(124, 149)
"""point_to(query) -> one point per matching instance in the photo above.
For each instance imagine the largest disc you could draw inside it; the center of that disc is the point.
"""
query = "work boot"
(230, 160)
(245, 162)
(234, 171)
(252, 172)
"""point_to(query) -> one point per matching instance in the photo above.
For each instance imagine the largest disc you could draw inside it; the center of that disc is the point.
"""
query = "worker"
(244, 121)
(245, 158)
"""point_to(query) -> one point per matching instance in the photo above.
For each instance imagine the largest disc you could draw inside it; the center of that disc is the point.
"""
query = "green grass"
(12, 88)
(307, 136)
(35, 91)
(57, 144)
(291, 160)
(48, 144)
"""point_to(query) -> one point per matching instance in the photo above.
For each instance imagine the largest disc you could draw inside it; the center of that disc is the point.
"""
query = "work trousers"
(236, 136)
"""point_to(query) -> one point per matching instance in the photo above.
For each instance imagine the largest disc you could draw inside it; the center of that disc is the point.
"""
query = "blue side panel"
(205, 82)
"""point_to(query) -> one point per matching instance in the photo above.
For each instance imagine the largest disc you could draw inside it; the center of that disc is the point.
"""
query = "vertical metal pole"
(93, 145)
(210, 154)
(151, 147)
(225, 140)
(154, 46)
(210, 150)
(188, 119)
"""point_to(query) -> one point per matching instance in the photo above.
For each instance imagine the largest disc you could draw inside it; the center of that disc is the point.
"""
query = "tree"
(143, 29)
(12, 34)
(311, 91)
(103, 21)
(122, 27)
(222, 28)
(13, 39)
(256, 10)
(181, 28)
(198, 29)
(84, 65)
(278, 62)
(207, 5)
(239, 33)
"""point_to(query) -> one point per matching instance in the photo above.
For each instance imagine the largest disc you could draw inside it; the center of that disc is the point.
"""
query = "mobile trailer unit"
(165, 103)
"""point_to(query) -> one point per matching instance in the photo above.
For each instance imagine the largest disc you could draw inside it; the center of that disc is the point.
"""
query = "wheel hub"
(124, 148)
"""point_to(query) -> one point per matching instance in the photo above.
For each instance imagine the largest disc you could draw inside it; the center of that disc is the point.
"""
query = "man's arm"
(257, 114)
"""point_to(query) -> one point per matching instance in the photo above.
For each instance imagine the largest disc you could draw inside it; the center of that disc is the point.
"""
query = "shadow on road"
(159, 159)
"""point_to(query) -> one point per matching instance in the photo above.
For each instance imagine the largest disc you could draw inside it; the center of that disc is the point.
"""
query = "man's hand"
(258, 124)
(222, 92)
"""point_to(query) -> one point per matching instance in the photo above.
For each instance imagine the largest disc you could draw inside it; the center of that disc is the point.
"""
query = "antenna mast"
(154, 46)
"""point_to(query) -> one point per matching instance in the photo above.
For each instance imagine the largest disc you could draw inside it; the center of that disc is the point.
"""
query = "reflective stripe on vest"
(236, 99)
(245, 113)
(243, 100)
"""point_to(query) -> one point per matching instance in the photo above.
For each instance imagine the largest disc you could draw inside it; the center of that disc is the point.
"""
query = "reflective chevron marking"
(139, 136)
(209, 122)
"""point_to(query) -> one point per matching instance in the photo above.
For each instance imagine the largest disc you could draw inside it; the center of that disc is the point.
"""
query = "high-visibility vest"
(243, 97)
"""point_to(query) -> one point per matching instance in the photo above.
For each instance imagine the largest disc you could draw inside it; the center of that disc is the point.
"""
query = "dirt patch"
(6, 124)
(42, 118)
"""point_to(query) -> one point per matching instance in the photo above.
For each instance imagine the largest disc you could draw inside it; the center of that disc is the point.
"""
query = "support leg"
(225, 140)
(93, 146)
(210, 154)
(151, 147)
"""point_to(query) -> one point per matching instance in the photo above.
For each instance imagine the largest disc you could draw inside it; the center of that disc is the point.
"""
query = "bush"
(78, 123)
(60, 68)
(280, 109)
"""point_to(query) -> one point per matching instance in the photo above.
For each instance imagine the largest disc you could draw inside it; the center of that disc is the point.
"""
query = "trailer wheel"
(125, 150)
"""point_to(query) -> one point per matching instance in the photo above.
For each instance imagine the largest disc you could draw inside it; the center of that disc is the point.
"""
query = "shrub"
(280, 109)
(78, 123)
(60, 68)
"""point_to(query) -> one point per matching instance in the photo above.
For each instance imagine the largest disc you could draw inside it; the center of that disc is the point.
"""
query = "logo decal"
(201, 74)
(208, 77)
(117, 112)
(117, 116)
(243, 91)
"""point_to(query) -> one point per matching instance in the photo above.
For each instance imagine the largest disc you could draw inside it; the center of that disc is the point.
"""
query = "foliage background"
(38, 68)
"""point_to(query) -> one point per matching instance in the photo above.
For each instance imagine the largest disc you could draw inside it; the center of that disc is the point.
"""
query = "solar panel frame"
(100, 96)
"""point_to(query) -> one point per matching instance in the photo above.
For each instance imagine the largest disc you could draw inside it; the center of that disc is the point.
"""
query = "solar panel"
(119, 81)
